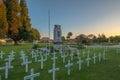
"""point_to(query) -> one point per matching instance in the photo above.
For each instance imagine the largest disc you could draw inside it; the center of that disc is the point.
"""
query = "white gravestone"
(53, 70)
(26, 64)
(68, 66)
(6, 68)
(94, 57)
(88, 60)
(99, 56)
(79, 62)
(41, 61)
(32, 75)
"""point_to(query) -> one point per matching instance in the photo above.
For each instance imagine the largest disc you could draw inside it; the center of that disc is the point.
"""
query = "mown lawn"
(105, 70)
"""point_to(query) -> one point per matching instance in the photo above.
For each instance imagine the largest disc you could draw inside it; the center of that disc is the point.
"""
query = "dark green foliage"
(35, 46)
(35, 35)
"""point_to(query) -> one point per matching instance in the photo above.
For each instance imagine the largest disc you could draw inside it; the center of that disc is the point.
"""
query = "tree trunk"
(16, 42)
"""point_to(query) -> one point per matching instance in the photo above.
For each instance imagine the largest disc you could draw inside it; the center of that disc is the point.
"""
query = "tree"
(25, 20)
(13, 18)
(63, 38)
(69, 35)
(35, 35)
(3, 20)
(82, 39)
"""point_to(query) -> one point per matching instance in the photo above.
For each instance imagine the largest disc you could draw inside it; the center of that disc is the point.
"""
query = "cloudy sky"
(76, 16)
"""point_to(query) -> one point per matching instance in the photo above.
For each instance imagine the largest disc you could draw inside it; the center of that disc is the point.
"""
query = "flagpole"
(49, 27)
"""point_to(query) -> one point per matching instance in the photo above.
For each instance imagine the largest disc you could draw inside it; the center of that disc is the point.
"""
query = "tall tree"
(3, 19)
(13, 17)
(24, 16)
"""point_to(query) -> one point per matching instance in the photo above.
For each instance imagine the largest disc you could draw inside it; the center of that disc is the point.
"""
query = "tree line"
(89, 39)
(15, 21)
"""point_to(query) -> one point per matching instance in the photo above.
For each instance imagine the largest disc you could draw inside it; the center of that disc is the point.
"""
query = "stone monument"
(57, 37)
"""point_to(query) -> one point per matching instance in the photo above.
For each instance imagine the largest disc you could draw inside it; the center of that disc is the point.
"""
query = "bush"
(35, 46)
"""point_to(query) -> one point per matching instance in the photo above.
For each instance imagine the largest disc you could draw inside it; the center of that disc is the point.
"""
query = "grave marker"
(79, 62)
(41, 60)
(68, 66)
(99, 56)
(6, 68)
(26, 64)
(88, 60)
(94, 57)
(53, 70)
(1, 55)
(32, 75)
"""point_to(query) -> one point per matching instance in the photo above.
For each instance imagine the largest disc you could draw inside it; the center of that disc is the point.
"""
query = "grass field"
(105, 70)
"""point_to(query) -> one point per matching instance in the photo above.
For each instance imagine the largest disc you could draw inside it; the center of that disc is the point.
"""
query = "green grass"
(105, 70)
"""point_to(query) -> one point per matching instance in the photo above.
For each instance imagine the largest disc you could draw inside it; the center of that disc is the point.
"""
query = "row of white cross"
(53, 70)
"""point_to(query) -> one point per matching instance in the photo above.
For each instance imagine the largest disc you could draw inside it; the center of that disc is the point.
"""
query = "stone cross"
(53, 70)
(32, 75)
(1, 55)
(26, 63)
(41, 61)
(54, 58)
(68, 66)
(88, 60)
(99, 56)
(79, 62)
(6, 68)
(94, 57)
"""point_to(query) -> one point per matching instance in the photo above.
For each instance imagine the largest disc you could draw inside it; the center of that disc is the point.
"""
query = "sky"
(76, 16)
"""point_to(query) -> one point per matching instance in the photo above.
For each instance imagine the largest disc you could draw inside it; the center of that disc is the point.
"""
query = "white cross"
(12, 53)
(99, 56)
(26, 63)
(23, 57)
(54, 57)
(83, 54)
(71, 56)
(78, 54)
(88, 60)
(68, 66)
(79, 62)
(32, 75)
(41, 60)
(9, 59)
(104, 56)
(53, 70)
(64, 56)
(33, 54)
(6, 68)
(94, 57)
(1, 55)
